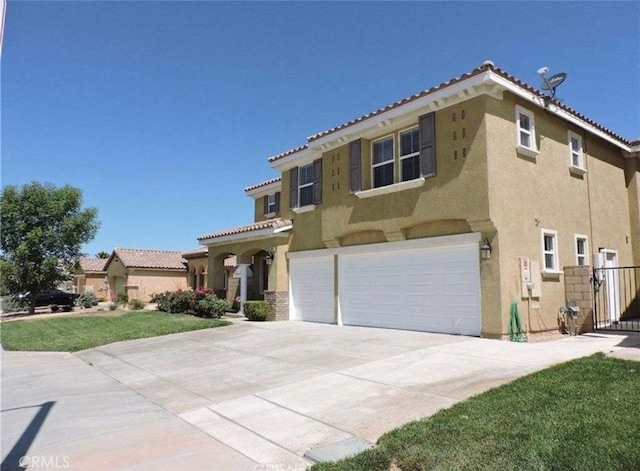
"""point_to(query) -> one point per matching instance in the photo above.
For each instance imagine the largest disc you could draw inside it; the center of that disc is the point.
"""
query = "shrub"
(212, 306)
(113, 306)
(137, 304)
(54, 308)
(87, 299)
(258, 311)
(122, 298)
(14, 303)
(175, 302)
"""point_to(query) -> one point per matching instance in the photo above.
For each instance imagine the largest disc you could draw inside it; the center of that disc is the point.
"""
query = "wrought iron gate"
(616, 298)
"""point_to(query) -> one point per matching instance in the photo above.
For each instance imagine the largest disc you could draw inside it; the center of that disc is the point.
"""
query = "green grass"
(581, 415)
(74, 333)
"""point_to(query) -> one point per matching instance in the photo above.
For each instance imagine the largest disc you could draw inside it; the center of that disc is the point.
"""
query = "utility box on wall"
(530, 278)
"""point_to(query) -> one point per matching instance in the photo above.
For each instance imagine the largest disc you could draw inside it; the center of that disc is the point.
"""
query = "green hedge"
(258, 311)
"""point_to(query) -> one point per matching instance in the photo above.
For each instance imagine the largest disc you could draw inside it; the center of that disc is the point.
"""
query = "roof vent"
(488, 62)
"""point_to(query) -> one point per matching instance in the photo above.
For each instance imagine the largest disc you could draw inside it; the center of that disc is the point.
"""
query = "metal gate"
(616, 298)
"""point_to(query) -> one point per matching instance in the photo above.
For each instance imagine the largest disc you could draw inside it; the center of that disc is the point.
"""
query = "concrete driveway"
(252, 396)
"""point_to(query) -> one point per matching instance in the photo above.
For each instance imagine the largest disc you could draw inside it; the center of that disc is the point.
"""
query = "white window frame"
(412, 155)
(386, 162)
(580, 168)
(585, 255)
(531, 150)
(301, 186)
(555, 268)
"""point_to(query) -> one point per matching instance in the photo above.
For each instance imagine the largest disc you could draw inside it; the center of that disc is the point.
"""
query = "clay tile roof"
(256, 226)
(155, 259)
(196, 253)
(486, 66)
(95, 265)
(261, 184)
(288, 152)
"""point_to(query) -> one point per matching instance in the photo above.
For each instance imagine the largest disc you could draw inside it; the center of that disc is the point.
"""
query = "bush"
(137, 304)
(258, 311)
(54, 308)
(14, 304)
(201, 302)
(212, 306)
(87, 299)
(122, 298)
(113, 306)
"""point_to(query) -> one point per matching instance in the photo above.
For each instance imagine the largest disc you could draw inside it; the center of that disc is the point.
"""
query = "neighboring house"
(140, 273)
(91, 277)
(434, 213)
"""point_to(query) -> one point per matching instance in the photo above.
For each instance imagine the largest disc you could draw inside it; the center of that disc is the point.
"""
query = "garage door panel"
(430, 289)
(312, 289)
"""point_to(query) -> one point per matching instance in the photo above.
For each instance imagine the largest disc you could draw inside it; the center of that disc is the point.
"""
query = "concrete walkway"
(252, 396)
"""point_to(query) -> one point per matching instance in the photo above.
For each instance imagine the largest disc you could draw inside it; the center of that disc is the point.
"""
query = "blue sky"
(162, 112)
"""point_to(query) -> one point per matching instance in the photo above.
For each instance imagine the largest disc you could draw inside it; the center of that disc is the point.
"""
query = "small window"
(549, 250)
(271, 204)
(305, 186)
(575, 151)
(582, 247)
(410, 155)
(382, 162)
(526, 131)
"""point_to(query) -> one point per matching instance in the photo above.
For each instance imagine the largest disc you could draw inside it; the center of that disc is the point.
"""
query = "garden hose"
(516, 333)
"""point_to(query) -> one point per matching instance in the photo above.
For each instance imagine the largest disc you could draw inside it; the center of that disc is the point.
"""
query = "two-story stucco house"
(434, 213)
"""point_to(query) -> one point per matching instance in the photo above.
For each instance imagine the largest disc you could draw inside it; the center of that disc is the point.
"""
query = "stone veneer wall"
(279, 302)
(578, 287)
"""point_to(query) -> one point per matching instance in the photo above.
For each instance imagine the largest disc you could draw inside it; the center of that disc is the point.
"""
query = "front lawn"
(581, 415)
(73, 333)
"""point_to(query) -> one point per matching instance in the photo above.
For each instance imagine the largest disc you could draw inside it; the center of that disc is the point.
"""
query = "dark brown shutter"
(428, 145)
(317, 181)
(265, 204)
(355, 172)
(293, 187)
(277, 201)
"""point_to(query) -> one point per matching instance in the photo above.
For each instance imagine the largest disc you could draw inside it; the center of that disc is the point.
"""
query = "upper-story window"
(575, 151)
(271, 204)
(410, 154)
(526, 129)
(306, 185)
(382, 161)
(416, 160)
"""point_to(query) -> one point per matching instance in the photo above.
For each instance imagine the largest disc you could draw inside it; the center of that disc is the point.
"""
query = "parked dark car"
(52, 296)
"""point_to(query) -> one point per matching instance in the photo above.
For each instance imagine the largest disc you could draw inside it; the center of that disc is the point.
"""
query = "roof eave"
(244, 236)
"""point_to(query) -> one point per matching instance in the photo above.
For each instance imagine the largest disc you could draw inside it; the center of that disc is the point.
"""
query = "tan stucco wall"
(527, 195)
(258, 211)
(457, 193)
(142, 284)
(91, 282)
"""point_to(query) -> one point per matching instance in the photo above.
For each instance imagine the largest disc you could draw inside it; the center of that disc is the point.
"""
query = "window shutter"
(428, 145)
(277, 201)
(317, 181)
(293, 187)
(265, 204)
(355, 172)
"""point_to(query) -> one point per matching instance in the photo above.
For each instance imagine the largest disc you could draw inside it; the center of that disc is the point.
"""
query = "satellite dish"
(552, 82)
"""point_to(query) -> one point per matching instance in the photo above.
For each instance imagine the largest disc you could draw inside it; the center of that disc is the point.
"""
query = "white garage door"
(434, 289)
(311, 289)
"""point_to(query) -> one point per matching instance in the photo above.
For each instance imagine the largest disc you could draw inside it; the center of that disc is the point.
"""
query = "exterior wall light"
(485, 250)
(270, 254)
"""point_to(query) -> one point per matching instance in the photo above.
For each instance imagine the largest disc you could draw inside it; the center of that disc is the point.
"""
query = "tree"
(102, 254)
(43, 228)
